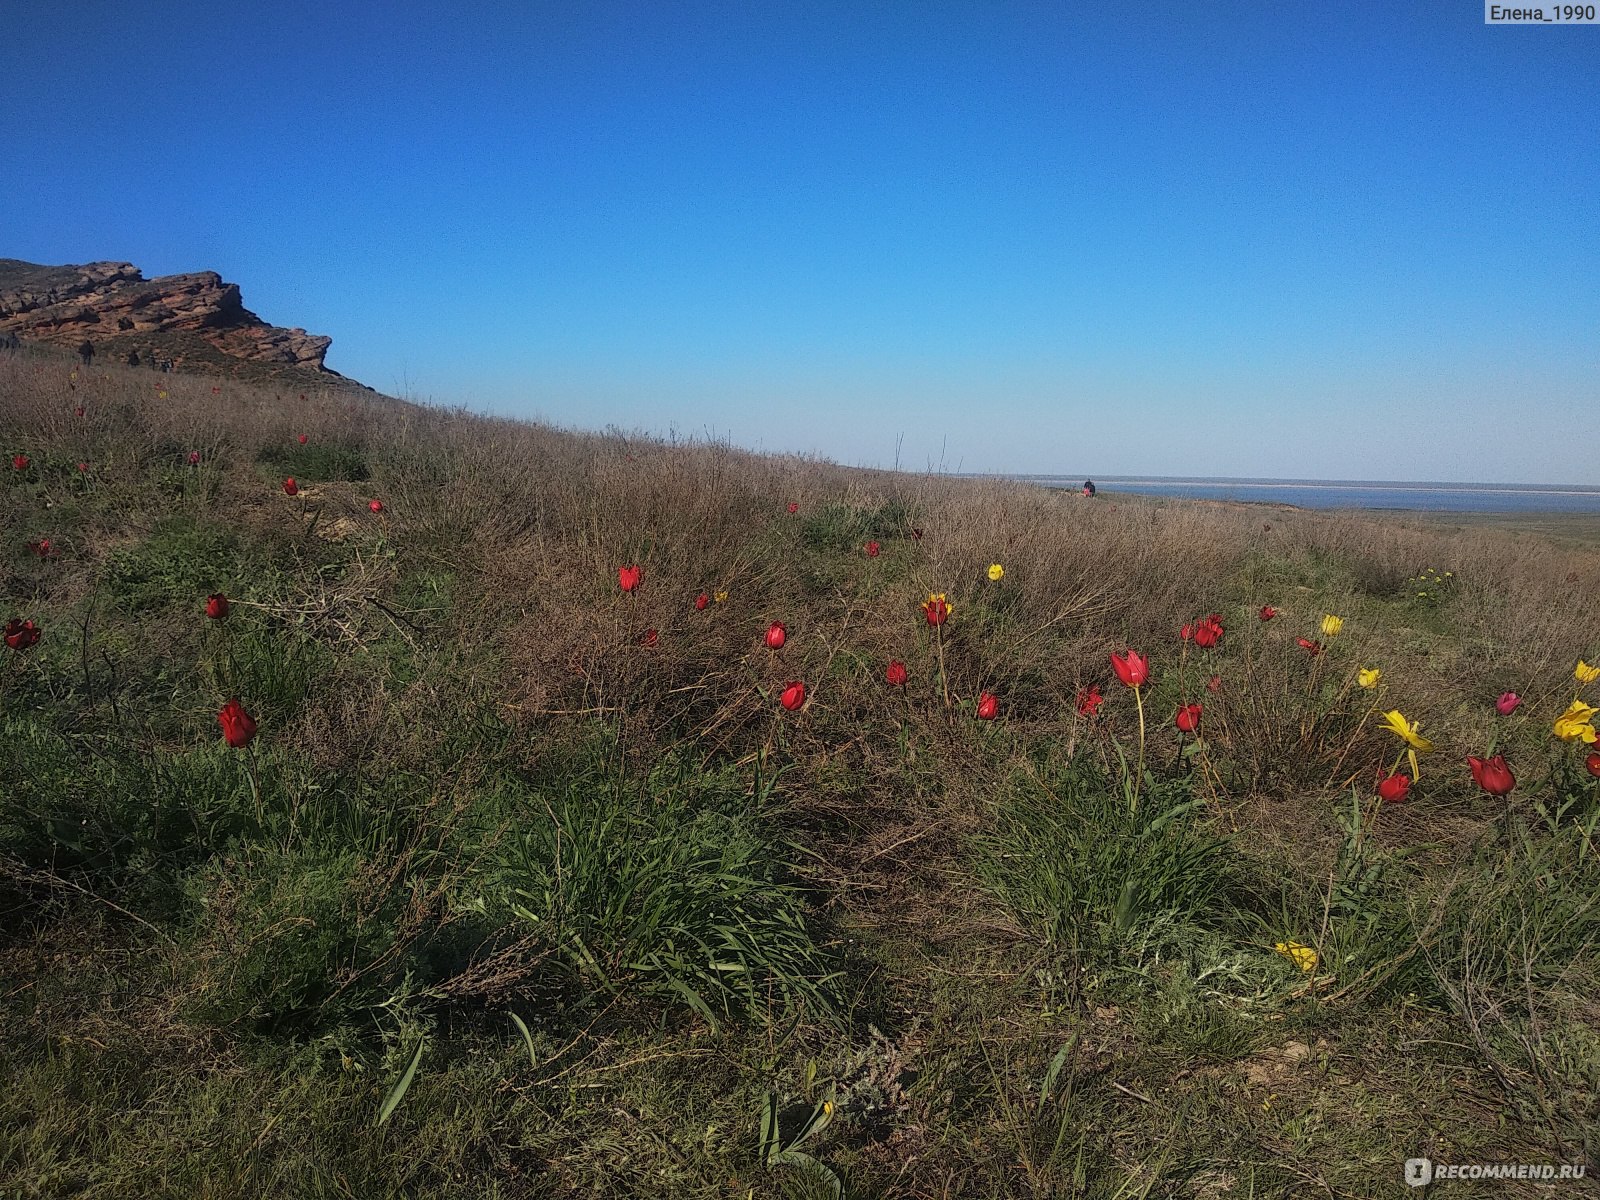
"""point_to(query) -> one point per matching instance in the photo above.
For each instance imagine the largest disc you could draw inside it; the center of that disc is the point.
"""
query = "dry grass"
(425, 674)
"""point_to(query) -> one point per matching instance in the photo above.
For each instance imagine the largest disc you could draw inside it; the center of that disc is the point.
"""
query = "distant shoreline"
(1132, 482)
(1346, 495)
(1576, 526)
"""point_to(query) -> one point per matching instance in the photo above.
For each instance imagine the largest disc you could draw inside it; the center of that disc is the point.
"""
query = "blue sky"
(1326, 241)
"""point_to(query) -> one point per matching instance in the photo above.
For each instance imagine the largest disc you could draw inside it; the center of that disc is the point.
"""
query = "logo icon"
(1419, 1172)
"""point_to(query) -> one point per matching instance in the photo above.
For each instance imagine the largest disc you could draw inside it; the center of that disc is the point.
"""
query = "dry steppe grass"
(652, 934)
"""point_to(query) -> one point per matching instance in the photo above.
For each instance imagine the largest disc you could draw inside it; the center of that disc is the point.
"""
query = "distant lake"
(1312, 493)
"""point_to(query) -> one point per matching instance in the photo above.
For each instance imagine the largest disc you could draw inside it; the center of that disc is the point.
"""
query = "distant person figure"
(86, 352)
(133, 358)
(1088, 487)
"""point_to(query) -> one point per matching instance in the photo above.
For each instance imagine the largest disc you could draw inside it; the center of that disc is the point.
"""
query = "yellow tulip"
(1368, 678)
(1584, 673)
(1409, 733)
(1331, 625)
(1406, 731)
(996, 571)
(1576, 722)
(720, 597)
(1301, 956)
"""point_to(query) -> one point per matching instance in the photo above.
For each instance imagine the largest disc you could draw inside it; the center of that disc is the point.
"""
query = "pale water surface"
(1313, 493)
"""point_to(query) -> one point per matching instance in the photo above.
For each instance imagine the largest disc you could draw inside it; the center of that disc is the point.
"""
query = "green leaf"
(533, 1057)
(1054, 1070)
(398, 1092)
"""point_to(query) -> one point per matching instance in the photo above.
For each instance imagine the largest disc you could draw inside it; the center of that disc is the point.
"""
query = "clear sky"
(1330, 240)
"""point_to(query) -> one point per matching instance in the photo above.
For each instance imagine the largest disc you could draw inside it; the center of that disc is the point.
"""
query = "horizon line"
(1574, 489)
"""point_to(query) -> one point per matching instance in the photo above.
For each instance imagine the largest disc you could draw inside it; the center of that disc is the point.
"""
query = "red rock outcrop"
(108, 301)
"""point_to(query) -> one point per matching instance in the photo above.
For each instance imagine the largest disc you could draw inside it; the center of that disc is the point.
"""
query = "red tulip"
(238, 726)
(21, 634)
(1507, 704)
(304, 439)
(80, 410)
(649, 639)
(988, 706)
(776, 636)
(872, 549)
(1492, 775)
(1268, 612)
(216, 606)
(41, 547)
(1187, 718)
(896, 674)
(628, 577)
(793, 507)
(936, 609)
(1393, 790)
(701, 601)
(216, 391)
(194, 458)
(794, 695)
(290, 487)
(1592, 765)
(20, 462)
(83, 466)
(1089, 701)
(1214, 684)
(302, 395)
(1208, 633)
(375, 506)
(1132, 667)
(1310, 647)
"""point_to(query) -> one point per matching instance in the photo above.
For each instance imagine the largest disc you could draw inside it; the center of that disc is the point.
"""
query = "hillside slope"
(500, 811)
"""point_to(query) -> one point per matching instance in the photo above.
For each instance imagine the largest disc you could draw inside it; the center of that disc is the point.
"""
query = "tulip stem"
(1138, 771)
(1364, 819)
(255, 786)
(944, 680)
(1208, 773)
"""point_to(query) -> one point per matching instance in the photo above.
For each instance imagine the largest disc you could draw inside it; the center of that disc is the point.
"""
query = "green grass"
(316, 462)
(672, 890)
(181, 559)
(842, 528)
(1100, 872)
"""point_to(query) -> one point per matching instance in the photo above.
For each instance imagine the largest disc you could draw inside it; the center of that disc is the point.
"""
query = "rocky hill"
(197, 321)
